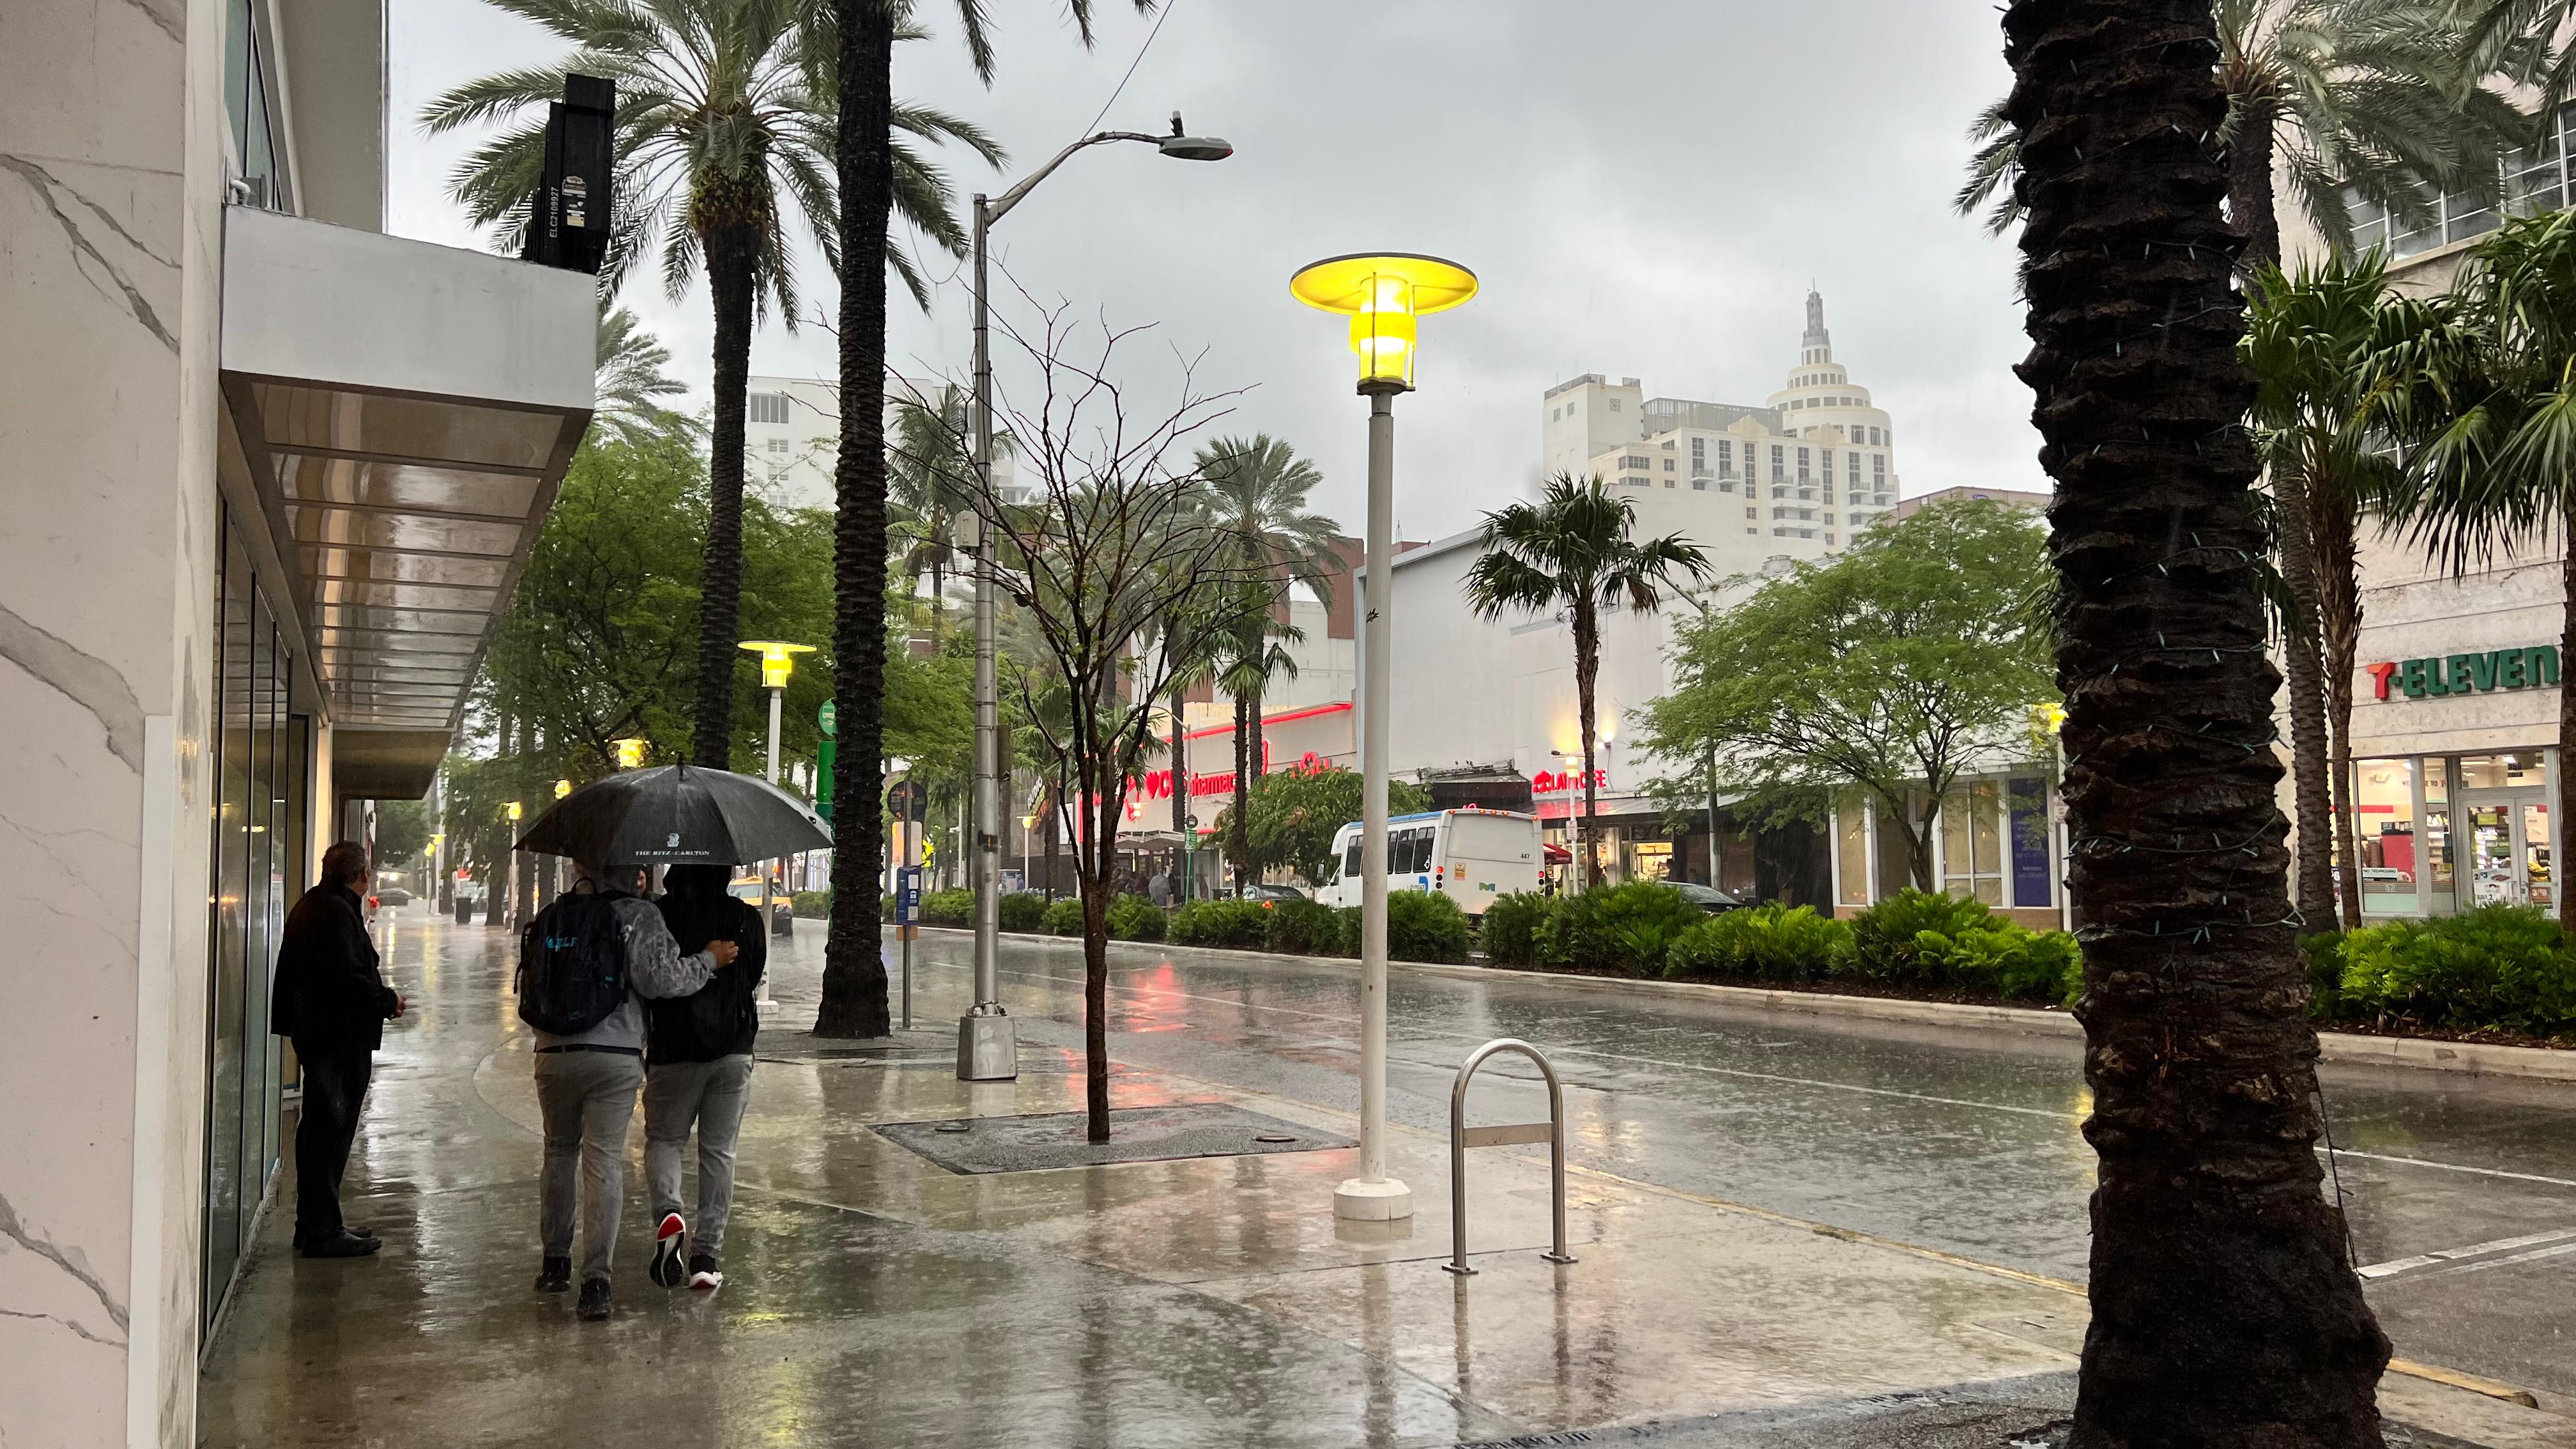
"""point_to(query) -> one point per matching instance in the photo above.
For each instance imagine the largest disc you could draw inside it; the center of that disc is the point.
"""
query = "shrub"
(1887, 938)
(948, 908)
(1134, 918)
(1625, 928)
(1763, 943)
(2005, 958)
(817, 905)
(1023, 911)
(1064, 918)
(1420, 926)
(2325, 975)
(2502, 966)
(1303, 927)
(1221, 923)
(1509, 932)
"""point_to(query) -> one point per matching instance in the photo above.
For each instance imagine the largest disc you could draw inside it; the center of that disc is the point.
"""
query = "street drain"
(954, 1127)
(1273, 1137)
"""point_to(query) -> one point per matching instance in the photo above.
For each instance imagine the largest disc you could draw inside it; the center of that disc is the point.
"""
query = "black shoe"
(669, 1237)
(597, 1302)
(344, 1244)
(704, 1275)
(554, 1275)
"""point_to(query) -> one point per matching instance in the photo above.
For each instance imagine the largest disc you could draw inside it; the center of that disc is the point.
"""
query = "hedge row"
(1419, 927)
(2505, 967)
(1919, 939)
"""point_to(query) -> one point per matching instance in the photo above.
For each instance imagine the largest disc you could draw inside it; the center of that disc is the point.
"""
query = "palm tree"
(930, 484)
(2367, 95)
(2481, 387)
(2223, 1308)
(632, 380)
(720, 134)
(1256, 489)
(2308, 342)
(854, 43)
(1571, 551)
(1253, 649)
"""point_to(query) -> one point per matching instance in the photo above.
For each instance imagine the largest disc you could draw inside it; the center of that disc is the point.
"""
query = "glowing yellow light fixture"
(1383, 294)
(510, 811)
(562, 788)
(777, 661)
(630, 752)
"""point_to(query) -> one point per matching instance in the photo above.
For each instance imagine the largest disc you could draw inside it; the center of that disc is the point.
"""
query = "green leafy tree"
(1886, 672)
(2481, 386)
(722, 136)
(1290, 817)
(2368, 95)
(2308, 342)
(2223, 1308)
(1571, 551)
(930, 483)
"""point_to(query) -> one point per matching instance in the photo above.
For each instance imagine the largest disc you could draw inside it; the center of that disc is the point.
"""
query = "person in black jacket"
(331, 999)
(697, 1072)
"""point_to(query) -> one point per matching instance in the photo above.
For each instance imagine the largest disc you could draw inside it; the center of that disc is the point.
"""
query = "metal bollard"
(1462, 1137)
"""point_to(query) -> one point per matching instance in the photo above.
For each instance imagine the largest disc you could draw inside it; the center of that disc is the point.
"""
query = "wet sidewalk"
(876, 1298)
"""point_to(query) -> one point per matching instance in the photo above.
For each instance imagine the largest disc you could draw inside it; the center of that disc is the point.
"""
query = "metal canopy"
(407, 412)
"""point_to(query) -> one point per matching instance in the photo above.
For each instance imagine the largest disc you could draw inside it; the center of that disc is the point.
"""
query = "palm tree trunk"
(2308, 742)
(2339, 631)
(1238, 837)
(2559, 808)
(1587, 667)
(2249, 191)
(527, 893)
(854, 975)
(2224, 1308)
(729, 278)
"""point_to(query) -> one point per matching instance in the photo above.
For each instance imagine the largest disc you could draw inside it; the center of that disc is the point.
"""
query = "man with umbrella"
(590, 1068)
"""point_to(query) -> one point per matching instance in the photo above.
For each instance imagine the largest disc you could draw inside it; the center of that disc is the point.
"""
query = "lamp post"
(777, 666)
(1382, 295)
(988, 1046)
(630, 751)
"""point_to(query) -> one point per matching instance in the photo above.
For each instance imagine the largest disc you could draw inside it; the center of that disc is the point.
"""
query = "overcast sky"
(1645, 188)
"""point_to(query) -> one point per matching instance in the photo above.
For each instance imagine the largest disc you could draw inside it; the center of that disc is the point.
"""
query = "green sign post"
(826, 719)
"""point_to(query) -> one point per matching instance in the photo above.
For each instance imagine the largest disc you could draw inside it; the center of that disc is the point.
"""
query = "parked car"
(1270, 895)
(1707, 898)
(393, 896)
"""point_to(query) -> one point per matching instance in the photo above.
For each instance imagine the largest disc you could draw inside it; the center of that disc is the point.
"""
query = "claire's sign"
(2533, 667)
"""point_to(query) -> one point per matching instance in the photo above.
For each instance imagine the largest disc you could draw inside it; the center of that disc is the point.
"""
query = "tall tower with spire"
(1818, 345)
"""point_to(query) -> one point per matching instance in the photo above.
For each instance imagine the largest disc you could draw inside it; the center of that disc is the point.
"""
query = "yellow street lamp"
(777, 661)
(510, 811)
(562, 788)
(777, 666)
(1382, 294)
(630, 752)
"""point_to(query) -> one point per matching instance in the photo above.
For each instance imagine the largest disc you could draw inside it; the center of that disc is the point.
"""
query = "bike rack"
(1462, 1137)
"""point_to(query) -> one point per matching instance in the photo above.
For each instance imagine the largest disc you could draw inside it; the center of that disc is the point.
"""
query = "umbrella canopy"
(677, 815)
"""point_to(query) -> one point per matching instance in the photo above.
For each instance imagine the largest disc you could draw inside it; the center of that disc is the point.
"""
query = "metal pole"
(987, 1038)
(769, 996)
(1373, 1196)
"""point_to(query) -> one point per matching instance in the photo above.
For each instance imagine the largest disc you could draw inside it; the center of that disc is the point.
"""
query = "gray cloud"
(1645, 188)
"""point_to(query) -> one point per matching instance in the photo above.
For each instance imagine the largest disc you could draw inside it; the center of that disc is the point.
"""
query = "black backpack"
(572, 964)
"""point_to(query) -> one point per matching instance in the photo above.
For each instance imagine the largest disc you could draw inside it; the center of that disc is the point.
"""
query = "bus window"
(1351, 858)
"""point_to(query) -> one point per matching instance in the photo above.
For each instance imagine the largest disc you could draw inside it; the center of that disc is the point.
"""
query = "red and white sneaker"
(703, 1274)
(669, 1239)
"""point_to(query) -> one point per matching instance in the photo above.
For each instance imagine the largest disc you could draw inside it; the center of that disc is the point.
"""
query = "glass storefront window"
(2434, 845)
(1972, 841)
(2523, 769)
(2384, 831)
(1851, 853)
(1650, 860)
(2034, 854)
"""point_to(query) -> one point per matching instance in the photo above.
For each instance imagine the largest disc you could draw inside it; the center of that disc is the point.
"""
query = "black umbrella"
(677, 815)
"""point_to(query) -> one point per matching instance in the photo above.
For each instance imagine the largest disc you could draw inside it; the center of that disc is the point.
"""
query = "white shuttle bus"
(1469, 855)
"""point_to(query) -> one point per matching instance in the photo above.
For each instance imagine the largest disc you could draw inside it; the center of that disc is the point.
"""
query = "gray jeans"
(587, 1099)
(710, 1095)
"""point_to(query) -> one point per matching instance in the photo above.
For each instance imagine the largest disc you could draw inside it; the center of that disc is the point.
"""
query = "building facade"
(791, 435)
(273, 475)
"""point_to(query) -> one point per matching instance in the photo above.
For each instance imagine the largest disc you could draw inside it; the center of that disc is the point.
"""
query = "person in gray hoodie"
(586, 1086)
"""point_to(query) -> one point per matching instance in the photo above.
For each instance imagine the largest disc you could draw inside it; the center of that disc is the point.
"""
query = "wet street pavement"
(1780, 1218)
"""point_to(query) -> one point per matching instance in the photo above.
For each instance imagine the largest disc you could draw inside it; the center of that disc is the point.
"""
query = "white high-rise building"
(792, 434)
(1797, 476)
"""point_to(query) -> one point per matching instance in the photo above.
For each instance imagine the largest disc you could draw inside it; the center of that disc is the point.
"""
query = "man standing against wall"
(332, 1001)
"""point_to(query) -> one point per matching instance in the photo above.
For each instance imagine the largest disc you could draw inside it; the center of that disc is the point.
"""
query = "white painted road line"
(2474, 1250)
(2534, 1256)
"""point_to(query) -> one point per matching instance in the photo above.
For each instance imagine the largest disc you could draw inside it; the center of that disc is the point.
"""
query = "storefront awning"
(407, 412)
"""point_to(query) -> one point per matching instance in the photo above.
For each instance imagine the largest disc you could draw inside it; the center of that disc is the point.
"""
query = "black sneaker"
(554, 1275)
(668, 1240)
(341, 1245)
(704, 1275)
(597, 1301)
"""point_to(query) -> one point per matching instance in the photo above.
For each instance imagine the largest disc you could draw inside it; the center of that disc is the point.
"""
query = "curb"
(2341, 1047)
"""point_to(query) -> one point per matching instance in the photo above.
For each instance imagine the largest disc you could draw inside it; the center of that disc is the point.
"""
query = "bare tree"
(1104, 561)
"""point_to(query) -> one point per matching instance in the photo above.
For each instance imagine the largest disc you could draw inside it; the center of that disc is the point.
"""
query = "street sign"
(826, 719)
(831, 749)
(907, 895)
(907, 800)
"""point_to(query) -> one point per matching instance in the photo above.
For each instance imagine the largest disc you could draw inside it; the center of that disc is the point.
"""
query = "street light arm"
(1000, 206)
